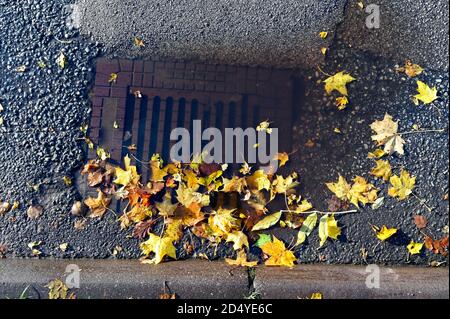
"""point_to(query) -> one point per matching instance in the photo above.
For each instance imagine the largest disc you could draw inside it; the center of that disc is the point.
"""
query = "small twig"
(321, 71)
(437, 109)
(291, 244)
(112, 211)
(139, 161)
(162, 228)
(64, 41)
(422, 201)
(376, 246)
(319, 212)
(286, 201)
(423, 131)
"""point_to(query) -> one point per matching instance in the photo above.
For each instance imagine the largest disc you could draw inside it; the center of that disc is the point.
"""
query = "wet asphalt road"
(43, 109)
(377, 90)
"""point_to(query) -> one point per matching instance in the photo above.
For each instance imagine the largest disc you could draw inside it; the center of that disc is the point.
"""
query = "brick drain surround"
(173, 94)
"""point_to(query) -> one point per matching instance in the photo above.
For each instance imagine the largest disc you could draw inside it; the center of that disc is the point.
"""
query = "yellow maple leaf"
(112, 78)
(361, 191)
(278, 254)
(384, 233)
(411, 69)
(338, 82)
(414, 248)
(282, 157)
(382, 170)
(304, 206)
(267, 221)
(187, 196)
(386, 134)
(158, 173)
(245, 169)
(241, 260)
(97, 206)
(281, 185)
(123, 177)
(191, 179)
(378, 153)
(328, 228)
(316, 295)
(174, 230)
(323, 34)
(425, 93)
(258, 181)
(235, 184)
(166, 208)
(102, 153)
(222, 221)
(127, 176)
(341, 102)
(161, 246)
(238, 238)
(59, 290)
(137, 214)
(401, 186)
(340, 189)
(67, 180)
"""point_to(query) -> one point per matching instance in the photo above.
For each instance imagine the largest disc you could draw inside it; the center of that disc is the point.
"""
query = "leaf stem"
(423, 131)
(322, 71)
(319, 212)
(422, 202)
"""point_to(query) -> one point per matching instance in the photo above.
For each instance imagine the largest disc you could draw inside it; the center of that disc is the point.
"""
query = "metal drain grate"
(175, 94)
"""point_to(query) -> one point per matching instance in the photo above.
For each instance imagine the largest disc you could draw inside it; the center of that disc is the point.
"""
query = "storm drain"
(150, 98)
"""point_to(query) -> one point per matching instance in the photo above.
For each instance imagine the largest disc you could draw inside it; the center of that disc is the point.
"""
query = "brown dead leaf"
(3, 250)
(142, 229)
(79, 224)
(335, 204)
(310, 143)
(34, 212)
(78, 209)
(439, 246)
(4, 208)
(97, 206)
(420, 221)
(167, 296)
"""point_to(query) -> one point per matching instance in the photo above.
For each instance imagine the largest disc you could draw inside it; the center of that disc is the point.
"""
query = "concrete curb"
(197, 279)
(124, 279)
(349, 282)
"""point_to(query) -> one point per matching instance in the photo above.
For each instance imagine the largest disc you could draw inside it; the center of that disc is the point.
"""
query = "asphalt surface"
(43, 109)
(280, 33)
(377, 90)
(413, 29)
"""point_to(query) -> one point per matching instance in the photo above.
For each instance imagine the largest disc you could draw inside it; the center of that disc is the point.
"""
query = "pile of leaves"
(211, 202)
